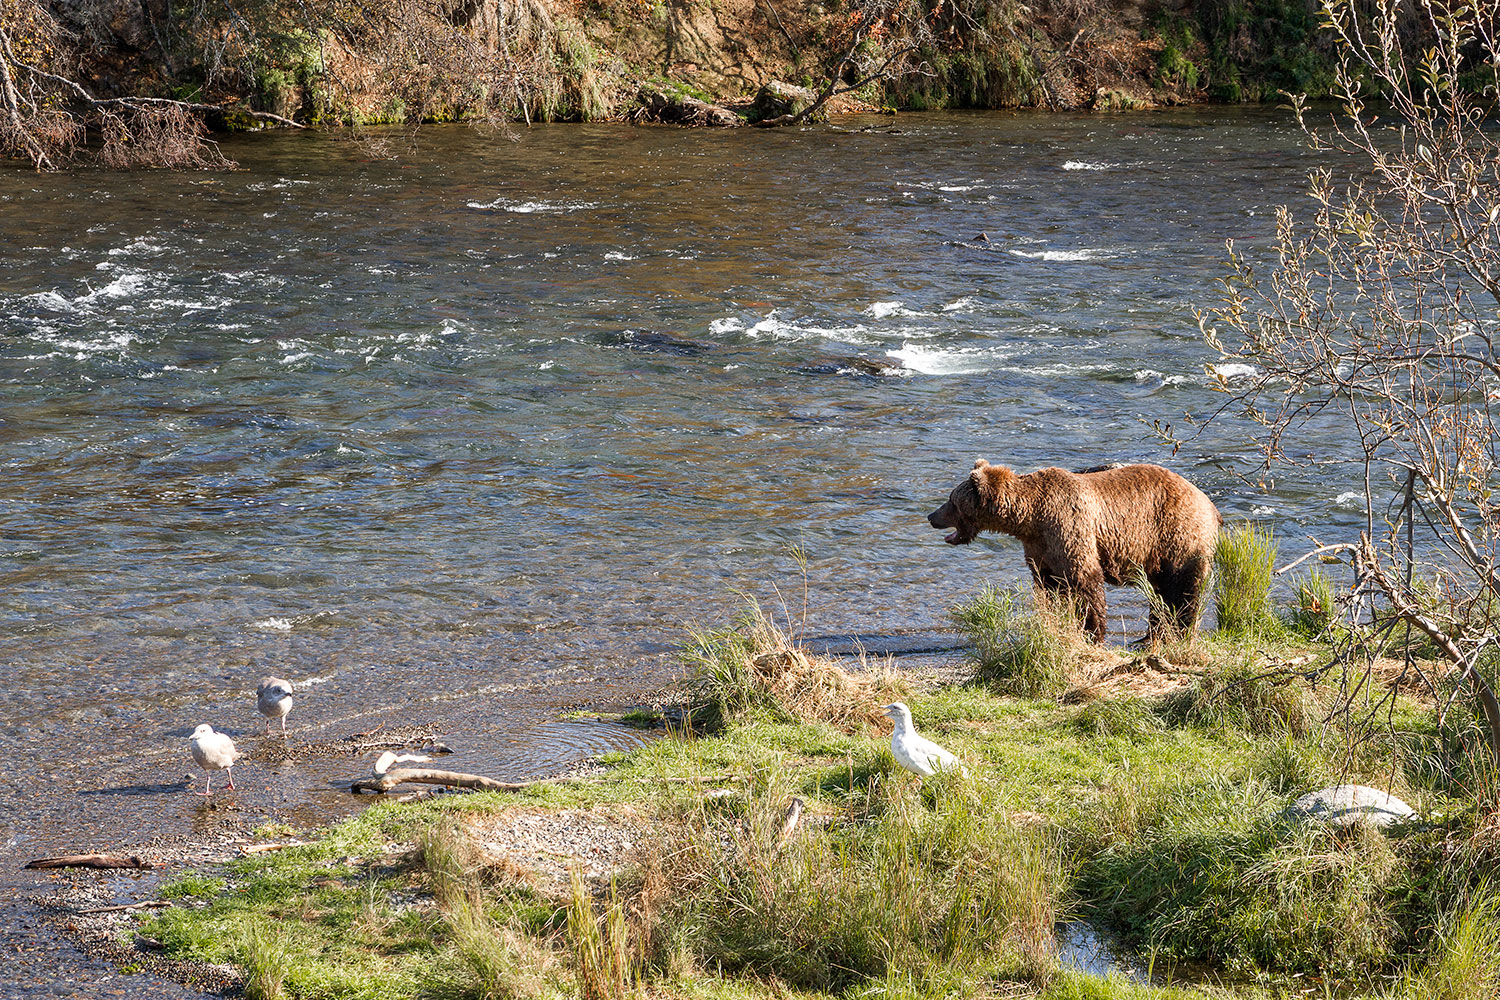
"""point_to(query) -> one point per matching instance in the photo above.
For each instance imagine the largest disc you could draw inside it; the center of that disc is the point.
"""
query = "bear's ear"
(980, 463)
(989, 479)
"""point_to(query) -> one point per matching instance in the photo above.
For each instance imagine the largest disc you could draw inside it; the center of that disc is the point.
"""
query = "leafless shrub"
(165, 136)
(1378, 316)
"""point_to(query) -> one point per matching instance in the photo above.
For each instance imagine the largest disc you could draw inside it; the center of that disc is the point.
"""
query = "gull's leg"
(208, 783)
(230, 769)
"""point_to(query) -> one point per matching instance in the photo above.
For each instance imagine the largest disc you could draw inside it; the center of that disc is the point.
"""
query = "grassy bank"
(1141, 792)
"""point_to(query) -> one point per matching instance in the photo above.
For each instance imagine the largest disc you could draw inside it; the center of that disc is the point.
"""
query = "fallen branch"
(264, 848)
(150, 904)
(384, 780)
(90, 861)
(430, 776)
(138, 103)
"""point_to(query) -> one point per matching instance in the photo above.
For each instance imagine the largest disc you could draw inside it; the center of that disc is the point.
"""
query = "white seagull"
(274, 699)
(913, 752)
(213, 752)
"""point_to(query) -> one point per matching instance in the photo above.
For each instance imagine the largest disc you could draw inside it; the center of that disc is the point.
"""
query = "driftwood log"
(431, 776)
(90, 861)
(382, 779)
(150, 904)
(263, 848)
(657, 105)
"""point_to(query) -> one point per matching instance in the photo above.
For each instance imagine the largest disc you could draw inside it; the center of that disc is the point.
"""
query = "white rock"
(1345, 805)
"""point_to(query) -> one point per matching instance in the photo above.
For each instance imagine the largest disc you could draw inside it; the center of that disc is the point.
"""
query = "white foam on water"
(880, 310)
(291, 359)
(778, 329)
(1088, 165)
(546, 365)
(938, 361)
(1263, 511)
(1057, 256)
(1232, 371)
(1351, 498)
(118, 340)
(528, 207)
(273, 624)
(967, 304)
(187, 305)
(139, 245)
(123, 286)
(729, 324)
(315, 681)
(617, 255)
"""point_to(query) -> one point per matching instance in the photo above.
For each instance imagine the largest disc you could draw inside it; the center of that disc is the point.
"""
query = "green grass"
(1155, 817)
(1019, 651)
(1244, 563)
(1313, 606)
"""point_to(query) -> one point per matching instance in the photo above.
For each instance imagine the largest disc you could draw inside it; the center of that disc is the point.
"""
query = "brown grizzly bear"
(1083, 530)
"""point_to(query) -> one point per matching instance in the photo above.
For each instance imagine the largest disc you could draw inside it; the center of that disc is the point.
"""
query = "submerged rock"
(858, 365)
(1345, 805)
(662, 343)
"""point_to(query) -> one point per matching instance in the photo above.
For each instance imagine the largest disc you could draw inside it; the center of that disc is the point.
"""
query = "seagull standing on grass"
(916, 754)
(213, 752)
(274, 699)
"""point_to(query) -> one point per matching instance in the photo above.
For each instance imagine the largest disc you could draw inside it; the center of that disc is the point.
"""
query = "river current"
(465, 438)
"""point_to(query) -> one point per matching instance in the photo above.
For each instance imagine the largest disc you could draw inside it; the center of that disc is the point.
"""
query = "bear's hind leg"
(1180, 593)
(1088, 586)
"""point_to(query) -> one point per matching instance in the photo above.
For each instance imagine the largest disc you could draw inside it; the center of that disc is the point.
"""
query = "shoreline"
(1061, 780)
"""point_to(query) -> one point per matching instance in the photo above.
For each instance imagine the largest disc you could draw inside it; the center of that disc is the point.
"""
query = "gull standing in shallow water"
(274, 699)
(916, 754)
(213, 752)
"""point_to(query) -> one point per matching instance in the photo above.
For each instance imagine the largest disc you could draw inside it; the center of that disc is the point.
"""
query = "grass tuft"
(601, 945)
(266, 959)
(754, 666)
(1300, 899)
(1463, 965)
(1313, 606)
(940, 883)
(1127, 718)
(1234, 696)
(1020, 653)
(1244, 563)
(492, 961)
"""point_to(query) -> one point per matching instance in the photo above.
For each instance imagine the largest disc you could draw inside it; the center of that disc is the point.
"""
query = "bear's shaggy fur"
(1083, 530)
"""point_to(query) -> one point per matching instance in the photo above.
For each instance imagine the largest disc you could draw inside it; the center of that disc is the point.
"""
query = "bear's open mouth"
(957, 537)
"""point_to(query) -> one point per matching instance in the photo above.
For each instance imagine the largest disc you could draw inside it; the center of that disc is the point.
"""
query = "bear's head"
(972, 504)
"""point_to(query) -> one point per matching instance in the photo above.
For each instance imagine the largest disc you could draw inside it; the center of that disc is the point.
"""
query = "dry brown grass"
(756, 664)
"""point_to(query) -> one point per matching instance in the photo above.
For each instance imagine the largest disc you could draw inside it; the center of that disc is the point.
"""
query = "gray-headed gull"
(213, 752)
(913, 752)
(274, 699)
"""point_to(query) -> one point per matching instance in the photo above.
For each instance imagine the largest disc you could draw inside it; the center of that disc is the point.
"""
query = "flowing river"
(465, 438)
